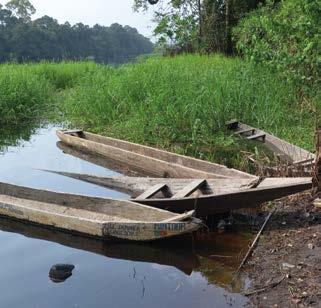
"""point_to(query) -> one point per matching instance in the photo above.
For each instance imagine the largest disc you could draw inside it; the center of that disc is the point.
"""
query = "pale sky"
(90, 12)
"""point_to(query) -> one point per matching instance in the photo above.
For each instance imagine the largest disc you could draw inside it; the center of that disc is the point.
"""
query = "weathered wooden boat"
(97, 217)
(206, 197)
(285, 151)
(99, 160)
(151, 161)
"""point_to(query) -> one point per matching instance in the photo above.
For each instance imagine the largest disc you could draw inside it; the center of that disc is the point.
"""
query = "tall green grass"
(29, 91)
(182, 103)
(178, 103)
(23, 96)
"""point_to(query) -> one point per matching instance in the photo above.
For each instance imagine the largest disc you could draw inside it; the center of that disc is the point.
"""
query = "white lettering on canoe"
(9, 208)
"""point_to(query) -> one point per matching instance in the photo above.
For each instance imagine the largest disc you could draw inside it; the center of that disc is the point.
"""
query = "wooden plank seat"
(149, 193)
(244, 131)
(257, 136)
(201, 185)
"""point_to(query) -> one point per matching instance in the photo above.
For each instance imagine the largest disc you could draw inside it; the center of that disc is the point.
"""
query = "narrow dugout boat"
(97, 217)
(285, 151)
(151, 161)
(206, 197)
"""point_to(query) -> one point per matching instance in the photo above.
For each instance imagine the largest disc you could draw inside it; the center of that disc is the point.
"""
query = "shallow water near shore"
(187, 272)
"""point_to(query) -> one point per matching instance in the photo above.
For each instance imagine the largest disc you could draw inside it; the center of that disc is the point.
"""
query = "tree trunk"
(228, 30)
(200, 23)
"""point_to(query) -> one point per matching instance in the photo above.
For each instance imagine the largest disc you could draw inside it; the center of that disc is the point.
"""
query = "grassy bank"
(177, 103)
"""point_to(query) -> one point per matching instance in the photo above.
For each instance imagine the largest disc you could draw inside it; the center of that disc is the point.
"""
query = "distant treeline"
(22, 39)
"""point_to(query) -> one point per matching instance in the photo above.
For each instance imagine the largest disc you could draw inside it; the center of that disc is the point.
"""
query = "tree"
(205, 25)
(22, 9)
(178, 22)
(22, 39)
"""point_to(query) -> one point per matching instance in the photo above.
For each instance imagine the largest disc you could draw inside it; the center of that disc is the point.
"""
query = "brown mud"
(285, 267)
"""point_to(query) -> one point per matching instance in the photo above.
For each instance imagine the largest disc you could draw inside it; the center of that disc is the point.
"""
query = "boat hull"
(227, 195)
(221, 203)
(77, 214)
(150, 161)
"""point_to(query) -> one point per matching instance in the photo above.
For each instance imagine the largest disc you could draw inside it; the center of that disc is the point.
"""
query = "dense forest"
(23, 39)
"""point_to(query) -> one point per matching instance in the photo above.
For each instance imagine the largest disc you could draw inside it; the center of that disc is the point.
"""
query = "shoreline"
(285, 267)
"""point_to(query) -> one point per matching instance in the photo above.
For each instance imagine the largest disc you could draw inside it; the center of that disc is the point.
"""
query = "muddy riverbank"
(286, 265)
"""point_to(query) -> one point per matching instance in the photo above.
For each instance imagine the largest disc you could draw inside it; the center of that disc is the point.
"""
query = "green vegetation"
(23, 95)
(178, 103)
(197, 25)
(183, 103)
(287, 37)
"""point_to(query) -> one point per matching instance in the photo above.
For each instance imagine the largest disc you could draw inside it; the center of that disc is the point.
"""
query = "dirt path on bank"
(286, 265)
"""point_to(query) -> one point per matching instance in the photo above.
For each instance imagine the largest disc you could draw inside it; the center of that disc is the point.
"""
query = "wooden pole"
(317, 176)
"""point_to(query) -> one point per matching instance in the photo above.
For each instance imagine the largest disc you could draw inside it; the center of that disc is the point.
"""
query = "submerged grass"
(178, 103)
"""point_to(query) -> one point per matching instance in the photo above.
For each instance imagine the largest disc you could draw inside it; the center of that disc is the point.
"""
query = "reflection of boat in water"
(174, 253)
(215, 256)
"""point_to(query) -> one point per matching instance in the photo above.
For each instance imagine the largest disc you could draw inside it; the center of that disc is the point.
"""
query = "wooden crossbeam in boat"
(156, 189)
(257, 136)
(304, 161)
(73, 131)
(192, 187)
(232, 124)
(244, 131)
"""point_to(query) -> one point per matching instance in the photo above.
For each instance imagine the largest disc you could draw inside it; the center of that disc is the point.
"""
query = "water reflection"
(15, 135)
(167, 253)
(186, 272)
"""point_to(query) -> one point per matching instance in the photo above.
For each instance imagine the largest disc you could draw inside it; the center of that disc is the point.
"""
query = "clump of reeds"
(23, 95)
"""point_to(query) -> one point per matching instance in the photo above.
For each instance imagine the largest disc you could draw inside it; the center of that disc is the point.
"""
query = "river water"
(188, 272)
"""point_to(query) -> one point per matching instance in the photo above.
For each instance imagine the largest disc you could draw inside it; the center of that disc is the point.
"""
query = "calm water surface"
(178, 273)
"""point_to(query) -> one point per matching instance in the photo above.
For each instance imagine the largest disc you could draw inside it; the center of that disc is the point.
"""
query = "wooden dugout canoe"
(285, 151)
(151, 161)
(207, 197)
(97, 217)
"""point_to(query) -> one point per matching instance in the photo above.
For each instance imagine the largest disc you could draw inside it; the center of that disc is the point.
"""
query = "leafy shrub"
(287, 36)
